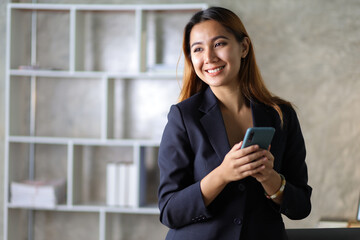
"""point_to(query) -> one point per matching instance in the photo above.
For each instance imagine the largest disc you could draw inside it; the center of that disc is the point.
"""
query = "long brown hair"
(251, 82)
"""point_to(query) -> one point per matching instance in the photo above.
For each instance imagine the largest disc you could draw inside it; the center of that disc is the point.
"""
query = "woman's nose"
(210, 56)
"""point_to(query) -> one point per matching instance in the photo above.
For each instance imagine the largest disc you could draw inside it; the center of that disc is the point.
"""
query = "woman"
(210, 188)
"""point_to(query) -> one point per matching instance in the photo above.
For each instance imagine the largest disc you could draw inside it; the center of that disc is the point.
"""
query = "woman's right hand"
(237, 164)
(241, 163)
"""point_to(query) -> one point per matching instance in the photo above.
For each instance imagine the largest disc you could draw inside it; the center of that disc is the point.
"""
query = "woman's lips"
(215, 70)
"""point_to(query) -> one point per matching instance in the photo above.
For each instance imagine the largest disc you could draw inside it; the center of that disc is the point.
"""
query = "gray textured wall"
(308, 52)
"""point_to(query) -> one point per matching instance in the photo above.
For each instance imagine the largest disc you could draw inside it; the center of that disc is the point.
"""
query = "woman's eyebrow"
(221, 36)
(213, 39)
(195, 43)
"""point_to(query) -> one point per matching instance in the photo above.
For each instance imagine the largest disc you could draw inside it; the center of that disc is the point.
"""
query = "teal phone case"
(261, 136)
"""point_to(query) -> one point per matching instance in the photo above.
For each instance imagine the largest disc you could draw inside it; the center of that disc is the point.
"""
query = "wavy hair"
(252, 86)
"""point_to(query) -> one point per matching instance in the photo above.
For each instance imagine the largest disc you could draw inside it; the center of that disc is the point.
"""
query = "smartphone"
(261, 136)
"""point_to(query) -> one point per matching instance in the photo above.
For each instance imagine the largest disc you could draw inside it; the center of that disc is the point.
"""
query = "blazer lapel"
(213, 124)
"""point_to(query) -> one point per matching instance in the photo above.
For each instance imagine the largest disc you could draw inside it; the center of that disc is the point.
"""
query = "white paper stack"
(122, 185)
(111, 184)
(43, 194)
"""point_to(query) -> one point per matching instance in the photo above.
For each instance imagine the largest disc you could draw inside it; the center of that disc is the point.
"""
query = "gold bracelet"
(282, 187)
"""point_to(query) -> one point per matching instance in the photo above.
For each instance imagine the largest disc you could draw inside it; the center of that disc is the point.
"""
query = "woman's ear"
(245, 47)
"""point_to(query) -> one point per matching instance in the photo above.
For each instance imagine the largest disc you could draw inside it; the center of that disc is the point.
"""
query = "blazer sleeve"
(180, 197)
(296, 201)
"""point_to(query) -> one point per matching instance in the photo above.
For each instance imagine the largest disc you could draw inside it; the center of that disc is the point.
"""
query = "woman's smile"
(215, 71)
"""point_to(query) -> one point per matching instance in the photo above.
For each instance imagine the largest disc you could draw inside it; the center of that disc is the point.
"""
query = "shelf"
(101, 108)
(108, 7)
(73, 160)
(93, 208)
(90, 38)
(88, 88)
(83, 141)
(79, 74)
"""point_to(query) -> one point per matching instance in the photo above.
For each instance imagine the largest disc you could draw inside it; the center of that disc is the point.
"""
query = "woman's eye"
(197, 49)
(220, 44)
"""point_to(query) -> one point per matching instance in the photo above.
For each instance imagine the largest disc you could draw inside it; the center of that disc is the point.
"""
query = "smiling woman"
(215, 54)
(210, 187)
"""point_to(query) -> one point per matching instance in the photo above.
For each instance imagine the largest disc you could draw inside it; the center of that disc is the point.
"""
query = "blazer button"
(241, 187)
(237, 221)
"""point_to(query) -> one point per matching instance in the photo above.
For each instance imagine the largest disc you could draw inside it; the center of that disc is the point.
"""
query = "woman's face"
(216, 54)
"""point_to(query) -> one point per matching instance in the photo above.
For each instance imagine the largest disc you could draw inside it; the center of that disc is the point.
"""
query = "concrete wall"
(308, 52)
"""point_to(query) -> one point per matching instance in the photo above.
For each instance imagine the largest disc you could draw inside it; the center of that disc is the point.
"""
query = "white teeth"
(215, 70)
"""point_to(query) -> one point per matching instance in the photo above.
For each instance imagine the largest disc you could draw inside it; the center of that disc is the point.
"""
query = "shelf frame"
(106, 78)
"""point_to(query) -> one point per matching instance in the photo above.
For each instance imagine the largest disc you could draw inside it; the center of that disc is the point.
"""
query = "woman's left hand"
(268, 177)
(266, 173)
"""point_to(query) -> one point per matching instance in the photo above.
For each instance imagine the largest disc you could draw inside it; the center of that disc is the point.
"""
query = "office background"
(308, 52)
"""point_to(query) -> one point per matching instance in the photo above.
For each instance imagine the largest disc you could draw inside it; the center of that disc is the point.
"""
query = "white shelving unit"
(75, 80)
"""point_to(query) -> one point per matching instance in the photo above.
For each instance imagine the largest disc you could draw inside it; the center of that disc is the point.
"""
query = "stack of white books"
(122, 184)
(41, 194)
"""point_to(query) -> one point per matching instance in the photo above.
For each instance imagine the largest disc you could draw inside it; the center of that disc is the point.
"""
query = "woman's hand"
(268, 177)
(241, 163)
(268, 168)
(237, 164)
(252, 161)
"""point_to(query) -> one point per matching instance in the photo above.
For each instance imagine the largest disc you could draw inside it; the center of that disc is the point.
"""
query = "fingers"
(252, 168)
(236, 152)
(250, 161)
(268, 167)
(269, 155)
(258, 164)
(251, 155)
(236, 147)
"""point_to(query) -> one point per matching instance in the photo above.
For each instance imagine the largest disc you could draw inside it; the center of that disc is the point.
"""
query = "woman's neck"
(236, 113)
(230, 99)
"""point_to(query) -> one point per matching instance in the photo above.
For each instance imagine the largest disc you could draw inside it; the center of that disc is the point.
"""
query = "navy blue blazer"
(194, 143)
